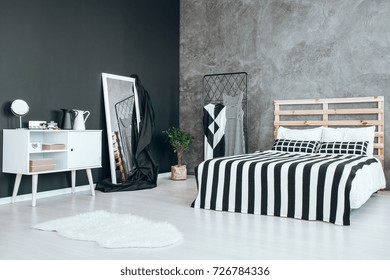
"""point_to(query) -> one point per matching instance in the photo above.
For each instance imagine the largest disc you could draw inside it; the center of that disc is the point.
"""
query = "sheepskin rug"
(112, 230)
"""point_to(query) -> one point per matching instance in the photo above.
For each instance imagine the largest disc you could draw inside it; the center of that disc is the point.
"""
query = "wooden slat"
(355, 122)
(331, 100)
(330, 123)
(298, 112)
(381, 139)
(325, 116)
(360, 111)
(277, 118)
(299, 123)
(379, 145)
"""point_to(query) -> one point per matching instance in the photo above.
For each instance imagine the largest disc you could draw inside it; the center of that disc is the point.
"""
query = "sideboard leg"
(73, 179)
(34, 189)
(90, 180)
(16, 187)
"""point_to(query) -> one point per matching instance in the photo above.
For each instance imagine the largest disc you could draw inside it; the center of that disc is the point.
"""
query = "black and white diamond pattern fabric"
(286, 145)
(214, 121)
(351, 148)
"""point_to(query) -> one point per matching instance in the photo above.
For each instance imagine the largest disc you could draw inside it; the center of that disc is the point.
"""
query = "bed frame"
(334, 112)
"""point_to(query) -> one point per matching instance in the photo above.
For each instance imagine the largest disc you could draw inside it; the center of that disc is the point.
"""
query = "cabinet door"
(15, 151)
(84, 149)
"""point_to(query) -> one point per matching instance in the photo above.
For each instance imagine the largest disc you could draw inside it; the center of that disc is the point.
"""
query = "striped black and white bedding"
(297, 185)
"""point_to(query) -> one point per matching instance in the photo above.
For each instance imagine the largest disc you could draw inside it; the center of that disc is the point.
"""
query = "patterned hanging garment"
(214, 121)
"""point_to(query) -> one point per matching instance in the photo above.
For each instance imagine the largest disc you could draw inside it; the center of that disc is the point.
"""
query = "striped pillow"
(351, 148)
(286, 145)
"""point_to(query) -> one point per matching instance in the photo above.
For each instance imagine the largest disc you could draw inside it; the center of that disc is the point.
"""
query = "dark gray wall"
(290, 49)
(52, 54)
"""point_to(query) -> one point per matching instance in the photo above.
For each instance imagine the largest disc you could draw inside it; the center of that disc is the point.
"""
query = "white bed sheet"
(367, 181)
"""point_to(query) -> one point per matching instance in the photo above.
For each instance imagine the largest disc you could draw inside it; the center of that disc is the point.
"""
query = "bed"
(325, 161)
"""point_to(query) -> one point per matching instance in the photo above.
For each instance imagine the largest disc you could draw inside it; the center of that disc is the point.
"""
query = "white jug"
(79, 119)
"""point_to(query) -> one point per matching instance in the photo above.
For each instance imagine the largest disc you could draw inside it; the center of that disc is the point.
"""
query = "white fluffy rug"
(111, 230)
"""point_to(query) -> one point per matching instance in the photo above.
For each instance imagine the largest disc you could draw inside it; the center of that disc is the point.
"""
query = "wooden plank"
(357, 111)
(329, 123)
(299, 123)
(331, 100)
(303, 112)
(354, 122)
(325, 114)
(298, 112)
(277, 118)
(381, 127)
(379, 145)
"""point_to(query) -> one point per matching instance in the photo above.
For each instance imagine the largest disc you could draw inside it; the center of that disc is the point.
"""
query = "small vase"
(178, 172)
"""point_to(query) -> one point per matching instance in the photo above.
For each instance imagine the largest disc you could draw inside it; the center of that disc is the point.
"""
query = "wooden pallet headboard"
(334, 112)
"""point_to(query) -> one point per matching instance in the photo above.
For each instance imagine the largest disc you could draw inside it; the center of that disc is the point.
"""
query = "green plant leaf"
(179, 139)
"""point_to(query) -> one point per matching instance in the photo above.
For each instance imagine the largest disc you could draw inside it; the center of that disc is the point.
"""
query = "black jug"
(66, 119)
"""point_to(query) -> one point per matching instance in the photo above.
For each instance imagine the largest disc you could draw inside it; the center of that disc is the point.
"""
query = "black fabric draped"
(145, 170)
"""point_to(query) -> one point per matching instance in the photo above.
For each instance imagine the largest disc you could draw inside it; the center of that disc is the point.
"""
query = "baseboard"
(44, 194)
(164, 175)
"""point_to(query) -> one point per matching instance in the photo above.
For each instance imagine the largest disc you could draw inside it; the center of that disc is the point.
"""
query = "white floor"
(207, 234)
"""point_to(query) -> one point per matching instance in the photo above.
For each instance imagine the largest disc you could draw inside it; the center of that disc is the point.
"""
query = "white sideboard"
(68, 150)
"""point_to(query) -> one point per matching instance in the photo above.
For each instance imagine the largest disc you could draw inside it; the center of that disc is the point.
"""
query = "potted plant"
(180, 140)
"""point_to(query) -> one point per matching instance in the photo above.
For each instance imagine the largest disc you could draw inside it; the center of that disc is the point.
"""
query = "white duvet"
(367, 181)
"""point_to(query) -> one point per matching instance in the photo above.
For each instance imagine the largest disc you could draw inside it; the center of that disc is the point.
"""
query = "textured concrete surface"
(290, 49)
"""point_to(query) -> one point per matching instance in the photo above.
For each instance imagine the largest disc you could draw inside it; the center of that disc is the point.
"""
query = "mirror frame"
(107, 105)
(15, 107)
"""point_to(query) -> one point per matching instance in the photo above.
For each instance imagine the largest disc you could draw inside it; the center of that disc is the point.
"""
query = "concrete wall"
(290, 49)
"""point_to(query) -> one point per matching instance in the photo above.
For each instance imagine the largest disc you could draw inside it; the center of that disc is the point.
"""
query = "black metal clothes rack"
(232, 84)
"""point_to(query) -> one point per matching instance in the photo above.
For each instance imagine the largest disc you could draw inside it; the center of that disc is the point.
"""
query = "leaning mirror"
(120, 94)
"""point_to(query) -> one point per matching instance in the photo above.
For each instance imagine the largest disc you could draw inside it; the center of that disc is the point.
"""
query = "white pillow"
(357, 134)
(332, 134)
(307, 134)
